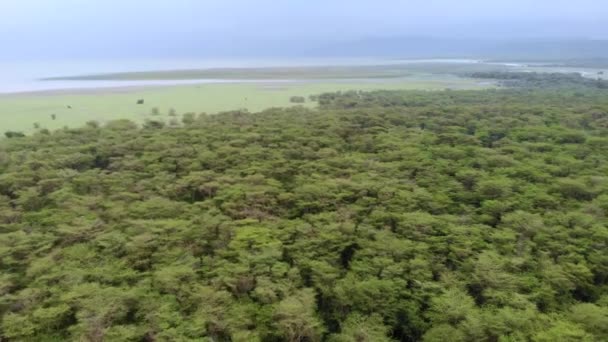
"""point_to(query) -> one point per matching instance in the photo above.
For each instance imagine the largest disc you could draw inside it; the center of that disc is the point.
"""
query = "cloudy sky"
(39, 27)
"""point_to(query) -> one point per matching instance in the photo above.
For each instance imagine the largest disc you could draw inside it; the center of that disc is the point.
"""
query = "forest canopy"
(542, 79)
(379, 216)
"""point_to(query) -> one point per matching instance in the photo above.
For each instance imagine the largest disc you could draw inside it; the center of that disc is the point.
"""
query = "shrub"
(297, 99)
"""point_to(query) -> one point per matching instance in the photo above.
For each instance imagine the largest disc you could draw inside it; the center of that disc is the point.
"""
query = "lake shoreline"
(107, 81)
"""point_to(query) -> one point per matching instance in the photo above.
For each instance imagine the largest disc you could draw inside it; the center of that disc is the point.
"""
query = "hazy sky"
(30, 27)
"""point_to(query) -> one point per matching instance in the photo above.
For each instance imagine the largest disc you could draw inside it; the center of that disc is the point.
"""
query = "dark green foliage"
(11, 134)
(542, 80)
(408, 216)
(297, 99)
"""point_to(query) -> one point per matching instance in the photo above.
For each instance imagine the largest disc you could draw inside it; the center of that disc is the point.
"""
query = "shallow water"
(24, 76)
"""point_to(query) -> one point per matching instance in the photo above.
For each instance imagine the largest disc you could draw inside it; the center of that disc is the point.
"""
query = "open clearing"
(253, 89)
(19, 112)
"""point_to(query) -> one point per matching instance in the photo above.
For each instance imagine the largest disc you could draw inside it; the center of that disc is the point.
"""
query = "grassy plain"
(19, 112)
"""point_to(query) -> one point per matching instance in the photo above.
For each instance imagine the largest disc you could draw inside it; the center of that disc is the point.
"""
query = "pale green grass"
(19, 112)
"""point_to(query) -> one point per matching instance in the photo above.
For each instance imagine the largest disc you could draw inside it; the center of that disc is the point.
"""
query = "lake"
(25, 76)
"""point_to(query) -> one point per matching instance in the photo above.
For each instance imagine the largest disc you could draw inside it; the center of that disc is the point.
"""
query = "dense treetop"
(406, 216)
(543, 80)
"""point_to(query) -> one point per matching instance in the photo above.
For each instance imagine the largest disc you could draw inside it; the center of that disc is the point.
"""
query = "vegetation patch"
(380, 216)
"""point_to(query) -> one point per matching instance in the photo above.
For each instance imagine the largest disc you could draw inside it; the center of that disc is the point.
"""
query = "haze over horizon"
(38, 29)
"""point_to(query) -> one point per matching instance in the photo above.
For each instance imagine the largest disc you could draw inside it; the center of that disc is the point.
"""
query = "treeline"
(542, 80)
(384, 216)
